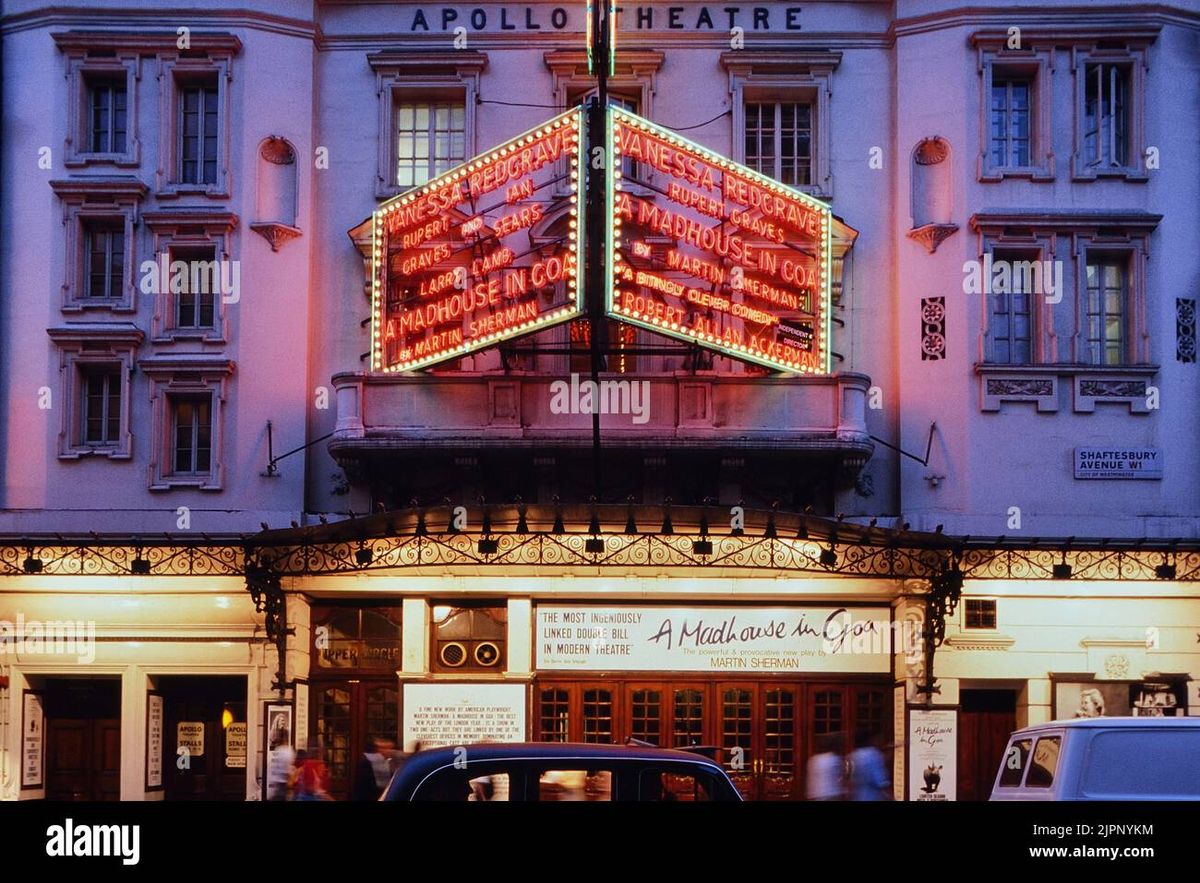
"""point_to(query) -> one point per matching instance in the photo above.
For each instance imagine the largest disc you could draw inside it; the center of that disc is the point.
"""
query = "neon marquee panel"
(483, 253)
(711, 252)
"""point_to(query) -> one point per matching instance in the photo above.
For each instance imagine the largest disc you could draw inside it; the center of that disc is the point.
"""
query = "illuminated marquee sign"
(711, 252)
(477, 256)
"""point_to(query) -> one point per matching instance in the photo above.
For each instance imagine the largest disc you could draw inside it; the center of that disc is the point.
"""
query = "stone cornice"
(147, 43)
(1141, 221)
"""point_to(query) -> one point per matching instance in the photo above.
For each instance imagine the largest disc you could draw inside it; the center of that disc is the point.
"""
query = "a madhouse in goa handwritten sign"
(711, 252)
(483, 253)
(738, 639)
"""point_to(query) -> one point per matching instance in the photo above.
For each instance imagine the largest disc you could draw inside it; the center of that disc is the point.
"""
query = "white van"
(1102, 758)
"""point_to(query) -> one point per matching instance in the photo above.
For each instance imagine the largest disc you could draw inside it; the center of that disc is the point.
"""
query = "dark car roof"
(423, 763)
(488, 751)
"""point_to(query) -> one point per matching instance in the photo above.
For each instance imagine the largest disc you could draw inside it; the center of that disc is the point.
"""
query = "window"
(201, 274)
(196, 301)
(426, 114)
(658, 785)
(1015, 107)
(104, 258)
(101, 418)
(108, 115)
(192, 422)
(780, 102)
(356, 637)
(430, 139)
(1106, 116)
(1016, 758)
(194, 131)
(187, 394)
(96, 365)
(779, 140)
(1106, 311)
(980, 613)
(469, 638)
(1110, 107)
(197, 130)
(1011, 129)
(575, 784)
(1010, 325)
(1044, 763)
(103, 76)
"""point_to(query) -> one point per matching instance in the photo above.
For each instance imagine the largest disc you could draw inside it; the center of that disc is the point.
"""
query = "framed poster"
(154, 741)
(301, 699)
(1076, 696)
(459, 714)
(33, 740)
(932, 754)
(235, 745)
(278, 748)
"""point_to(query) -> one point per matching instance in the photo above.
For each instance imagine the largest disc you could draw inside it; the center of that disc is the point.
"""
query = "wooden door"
(758, 732)
(346, 714)
(83, 759)
(578, 712)
(985, 720)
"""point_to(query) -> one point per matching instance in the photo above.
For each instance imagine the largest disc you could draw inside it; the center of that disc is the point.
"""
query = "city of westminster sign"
(671, 237)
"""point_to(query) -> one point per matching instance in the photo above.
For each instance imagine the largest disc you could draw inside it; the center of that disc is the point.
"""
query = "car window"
(474, 784)
(1044, 763)
(1140, 763)
(575, 784)
(1016, 759)
(661, 785)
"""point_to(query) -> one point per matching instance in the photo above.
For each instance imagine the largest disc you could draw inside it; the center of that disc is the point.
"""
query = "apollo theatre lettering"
(483, 253)
(712, 252)
(531, 19)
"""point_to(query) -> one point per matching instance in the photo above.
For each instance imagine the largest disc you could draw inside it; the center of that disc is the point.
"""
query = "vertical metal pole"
(596, 224)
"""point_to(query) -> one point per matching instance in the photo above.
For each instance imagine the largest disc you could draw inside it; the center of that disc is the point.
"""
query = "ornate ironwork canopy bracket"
(266, 591)
(945, 590)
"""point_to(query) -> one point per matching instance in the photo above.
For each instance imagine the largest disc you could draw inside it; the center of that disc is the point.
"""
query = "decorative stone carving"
(933, 329)
(932, 235)
(276, 234)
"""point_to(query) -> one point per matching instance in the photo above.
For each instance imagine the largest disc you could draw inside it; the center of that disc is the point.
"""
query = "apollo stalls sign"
(713, 253)
(461, 263)
(586, 637)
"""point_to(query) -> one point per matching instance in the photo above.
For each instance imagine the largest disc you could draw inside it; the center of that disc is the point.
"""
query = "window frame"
(184, 230)
(803, 76)
(1041, 311)
(173, 378)
(82, 70)
(97, 200)
(433, 102)
(995, 614)
(84, 347)
(1035, 64)
(1131, 57)
(777, 104)
(421, 75)
(1071, 237)
(177, 73)
(1135, 346)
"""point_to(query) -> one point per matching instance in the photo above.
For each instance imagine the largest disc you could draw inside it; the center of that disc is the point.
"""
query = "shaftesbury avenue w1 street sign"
(712, 252)
(483, 253)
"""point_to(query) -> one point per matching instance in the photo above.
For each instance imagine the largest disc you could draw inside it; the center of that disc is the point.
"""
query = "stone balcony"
(825, 417)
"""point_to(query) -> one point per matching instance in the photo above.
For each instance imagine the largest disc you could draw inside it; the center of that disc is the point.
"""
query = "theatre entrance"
(762, 731)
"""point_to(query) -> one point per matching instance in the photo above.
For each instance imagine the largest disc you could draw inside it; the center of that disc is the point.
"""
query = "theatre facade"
(829, 381)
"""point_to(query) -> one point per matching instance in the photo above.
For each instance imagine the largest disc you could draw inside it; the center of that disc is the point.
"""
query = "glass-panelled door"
(758, 732)
(578, 712)
(347, 714)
